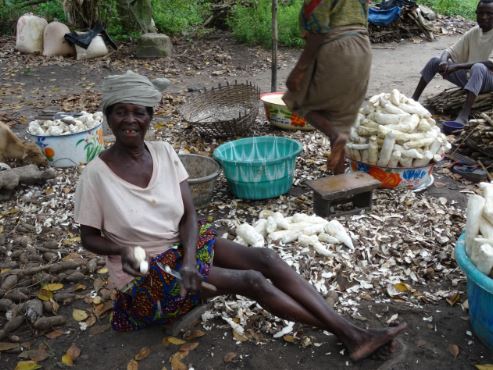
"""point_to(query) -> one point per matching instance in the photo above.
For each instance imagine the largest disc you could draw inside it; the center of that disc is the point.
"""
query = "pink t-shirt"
(129, 215)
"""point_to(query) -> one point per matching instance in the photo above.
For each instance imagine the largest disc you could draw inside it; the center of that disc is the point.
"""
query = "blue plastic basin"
(259, 167)
(452, 127)
(479, 295)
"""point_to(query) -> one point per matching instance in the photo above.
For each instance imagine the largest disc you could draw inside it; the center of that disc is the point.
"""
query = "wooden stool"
(354, 189)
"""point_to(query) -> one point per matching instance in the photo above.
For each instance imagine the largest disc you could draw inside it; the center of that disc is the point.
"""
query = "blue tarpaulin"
(384, 17)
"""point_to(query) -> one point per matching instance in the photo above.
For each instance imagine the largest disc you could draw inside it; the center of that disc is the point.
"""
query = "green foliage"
(8, 19)
(51, 10)
(179, 16)
(253, 23)
(171, 16)
(109, 16)
(250, 20)
(10, 11)
(465, 8)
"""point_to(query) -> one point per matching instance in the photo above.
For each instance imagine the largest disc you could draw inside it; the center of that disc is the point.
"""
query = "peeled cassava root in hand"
(140, 256)
(395, 131)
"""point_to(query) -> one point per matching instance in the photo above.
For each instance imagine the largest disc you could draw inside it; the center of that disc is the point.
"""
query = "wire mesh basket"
(223, 111)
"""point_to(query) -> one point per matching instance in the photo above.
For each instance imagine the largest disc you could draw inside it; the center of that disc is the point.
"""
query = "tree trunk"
(136, 15)
(82, 15)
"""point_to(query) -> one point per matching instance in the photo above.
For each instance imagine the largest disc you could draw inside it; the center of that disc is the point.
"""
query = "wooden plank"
(343, 186)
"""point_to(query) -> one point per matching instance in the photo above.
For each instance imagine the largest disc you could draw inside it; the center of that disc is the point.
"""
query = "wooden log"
(273, 87)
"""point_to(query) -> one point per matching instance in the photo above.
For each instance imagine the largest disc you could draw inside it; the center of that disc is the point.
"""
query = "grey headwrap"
(132, 88)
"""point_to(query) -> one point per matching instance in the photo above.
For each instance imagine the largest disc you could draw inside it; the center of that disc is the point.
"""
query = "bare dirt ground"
(438, 335)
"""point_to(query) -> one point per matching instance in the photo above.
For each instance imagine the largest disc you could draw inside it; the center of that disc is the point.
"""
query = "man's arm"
(445, 61)
(455, 67)
(445, 57)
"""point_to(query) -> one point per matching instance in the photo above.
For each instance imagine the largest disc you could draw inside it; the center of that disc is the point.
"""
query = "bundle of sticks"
(450, 101)
(476, 141)
(410, 23)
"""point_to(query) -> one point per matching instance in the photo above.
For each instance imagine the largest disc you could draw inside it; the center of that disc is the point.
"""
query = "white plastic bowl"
(280, 116)
(73, 149)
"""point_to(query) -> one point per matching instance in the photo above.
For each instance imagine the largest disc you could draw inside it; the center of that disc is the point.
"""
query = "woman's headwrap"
(130, 88)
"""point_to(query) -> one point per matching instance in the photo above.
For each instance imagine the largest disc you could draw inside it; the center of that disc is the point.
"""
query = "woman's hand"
(191, 279)
(129, 263)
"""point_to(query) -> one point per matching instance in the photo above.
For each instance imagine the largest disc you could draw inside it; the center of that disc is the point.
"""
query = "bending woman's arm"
(313, 41)
(93, 241)
(189, 236)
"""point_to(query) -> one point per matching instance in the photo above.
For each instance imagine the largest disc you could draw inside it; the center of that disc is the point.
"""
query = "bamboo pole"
(273, 86)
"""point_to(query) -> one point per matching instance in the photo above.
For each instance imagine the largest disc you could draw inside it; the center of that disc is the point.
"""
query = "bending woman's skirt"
(155, 298)
(335, 84)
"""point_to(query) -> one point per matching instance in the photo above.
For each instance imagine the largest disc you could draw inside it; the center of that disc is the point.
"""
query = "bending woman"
(136, 193)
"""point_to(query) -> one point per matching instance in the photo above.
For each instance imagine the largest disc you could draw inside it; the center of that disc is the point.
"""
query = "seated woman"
(136, 193)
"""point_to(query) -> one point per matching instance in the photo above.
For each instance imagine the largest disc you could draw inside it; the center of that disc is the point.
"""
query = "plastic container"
(259, 167)
(452, 127)
(203, 172)
(280, 116)
(73, 149)
(414, 178)
(479, 295)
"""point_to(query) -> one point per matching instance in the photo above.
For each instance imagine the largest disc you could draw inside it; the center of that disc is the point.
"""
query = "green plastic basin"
(259, 167)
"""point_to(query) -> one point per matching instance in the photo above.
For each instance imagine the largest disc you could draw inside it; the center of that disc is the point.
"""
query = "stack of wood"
(411, 23)
(476, 141)
(450, 101)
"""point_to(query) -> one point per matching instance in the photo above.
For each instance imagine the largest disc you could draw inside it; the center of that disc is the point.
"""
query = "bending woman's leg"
(337, 141)
(229, 255)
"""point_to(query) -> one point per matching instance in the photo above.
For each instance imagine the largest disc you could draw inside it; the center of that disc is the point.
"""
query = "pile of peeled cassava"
(395, 131)
(310, 231)
(479, 229)
(65, 125)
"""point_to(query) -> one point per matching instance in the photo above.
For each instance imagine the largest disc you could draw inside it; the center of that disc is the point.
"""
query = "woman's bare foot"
(372, 340)
(335, 162)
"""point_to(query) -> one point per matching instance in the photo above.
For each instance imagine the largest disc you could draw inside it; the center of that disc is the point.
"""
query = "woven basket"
(224, 111)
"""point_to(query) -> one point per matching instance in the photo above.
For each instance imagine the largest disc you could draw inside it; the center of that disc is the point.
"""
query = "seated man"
(467, 64)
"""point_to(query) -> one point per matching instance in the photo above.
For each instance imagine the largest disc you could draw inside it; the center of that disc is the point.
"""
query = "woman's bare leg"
(254, 285)
(337, 141)
(360, 342)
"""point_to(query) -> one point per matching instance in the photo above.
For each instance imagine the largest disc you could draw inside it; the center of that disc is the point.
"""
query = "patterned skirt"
(155, 298)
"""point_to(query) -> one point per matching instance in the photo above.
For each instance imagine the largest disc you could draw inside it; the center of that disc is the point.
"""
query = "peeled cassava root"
(479, 229)
(140, 256)
(308, 230)
(395, 131)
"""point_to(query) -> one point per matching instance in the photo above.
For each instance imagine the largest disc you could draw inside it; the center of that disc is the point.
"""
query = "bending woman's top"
(322, 16)
(129, 215)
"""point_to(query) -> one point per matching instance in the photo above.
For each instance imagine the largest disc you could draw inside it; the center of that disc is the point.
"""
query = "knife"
(178, 276)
